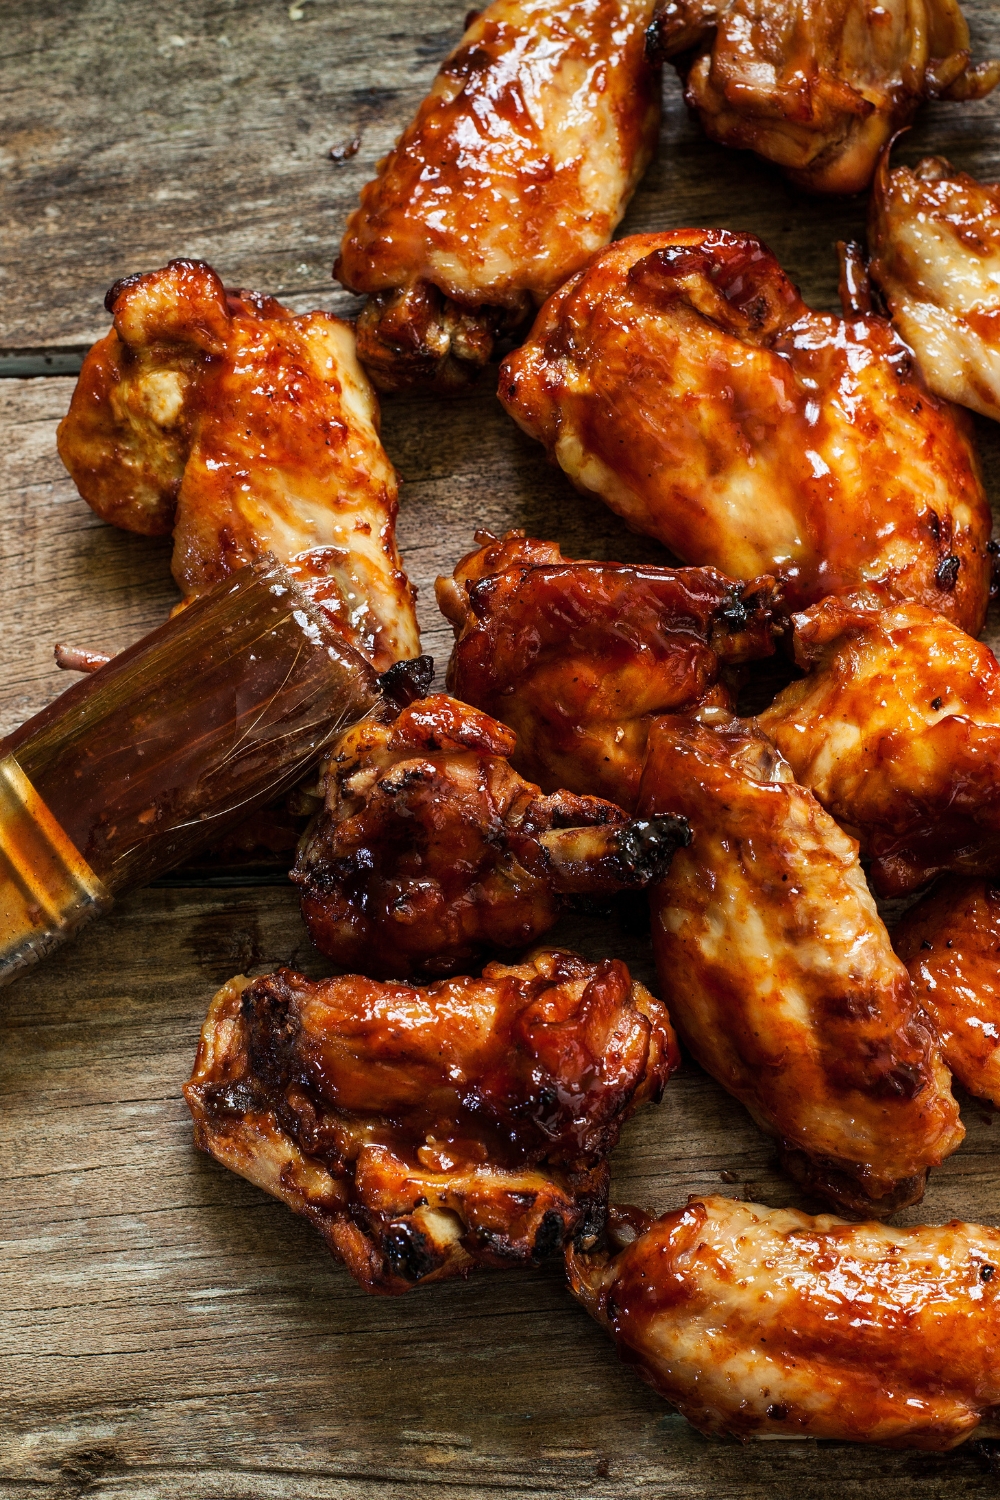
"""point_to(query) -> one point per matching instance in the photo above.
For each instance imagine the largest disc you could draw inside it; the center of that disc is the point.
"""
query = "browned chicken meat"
(935, 243)
(427, 1131)
(517, 167)
(766, 1323)
(896, 730)
(781, 976)
(950, 942)
(579, 657)
(243, 429)
(682, 378)
(817, 86)
(432, 850)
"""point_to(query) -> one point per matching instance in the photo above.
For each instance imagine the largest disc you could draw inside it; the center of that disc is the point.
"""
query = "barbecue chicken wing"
(427, 1131)
(781, 976)
(518, 166)
(896, 730)
(243, 429)
(762, 1322)
(682, 378)
(431, 849)
(950, 942)
(579, 657)
(817, 86)
(935, 242)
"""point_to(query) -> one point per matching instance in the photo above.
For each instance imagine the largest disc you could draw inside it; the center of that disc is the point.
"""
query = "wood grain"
(169, 1331)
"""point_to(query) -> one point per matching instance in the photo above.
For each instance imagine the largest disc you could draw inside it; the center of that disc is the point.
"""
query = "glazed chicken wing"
(764, 1323)
(427, 1131)
(950, 942)
(431, 849)
(896, 730)
(682, 378)
(935, 243)
(817, 86)
(518, 166)
(781, 976)
(243, 429)
(579, 657)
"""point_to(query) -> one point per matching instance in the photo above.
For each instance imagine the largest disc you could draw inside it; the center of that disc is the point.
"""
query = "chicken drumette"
(579, 657)
(781, 976)
(518, 166)
(818, 86)
(243, 429)
(681, 377)
(427, 1131)
(896, 730)
(935, 242)
(431, 849)
(760, 1322)
(950, 942)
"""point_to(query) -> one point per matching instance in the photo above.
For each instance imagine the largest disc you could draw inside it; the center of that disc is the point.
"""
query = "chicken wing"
(817, 86)
(950, 942)
(243, 429)
(427, 1131)
(896, 730)
(431, 850)
(781, 976)
(579, 657)
(682, 378)
(766, 1323)
(935, 244)
(518, 166)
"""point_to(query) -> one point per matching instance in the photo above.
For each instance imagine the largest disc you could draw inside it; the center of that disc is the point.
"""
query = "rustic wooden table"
(168, 1331)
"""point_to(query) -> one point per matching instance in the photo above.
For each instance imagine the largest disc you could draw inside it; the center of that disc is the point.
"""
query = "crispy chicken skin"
(431, 850)
(427, 1131)
(935, 245)
(950, 942)
(781, 977)
(760, 1322)
(682, 378)
(579, 657)
(896, 730)
(518, 166)
(243, 429)
(817, 86)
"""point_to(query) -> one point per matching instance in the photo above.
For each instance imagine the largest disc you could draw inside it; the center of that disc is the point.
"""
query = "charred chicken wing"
(579, 657)
(935, 241)
(427, 1131)
(781, 976)
(817, 86)
(518, 166)
(682, 378)
(950, 942)
(431, 849)
(896, 730)
(243, 429)
(762, 1322)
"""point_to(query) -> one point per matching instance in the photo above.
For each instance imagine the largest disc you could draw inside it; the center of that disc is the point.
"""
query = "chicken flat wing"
(765, 1323)
(518, 166)
(431, 849)
(935, 243)
(950, 942)
(682, 378)
(427, 1131)
(817, 86)
(896, 730)
(579, 657)
(243, 429)
(781, 976)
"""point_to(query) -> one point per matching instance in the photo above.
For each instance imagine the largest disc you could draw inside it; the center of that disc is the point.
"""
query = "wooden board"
(167, 1330)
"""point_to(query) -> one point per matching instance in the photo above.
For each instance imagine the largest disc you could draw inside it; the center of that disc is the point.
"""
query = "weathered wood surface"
(166, 1330)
